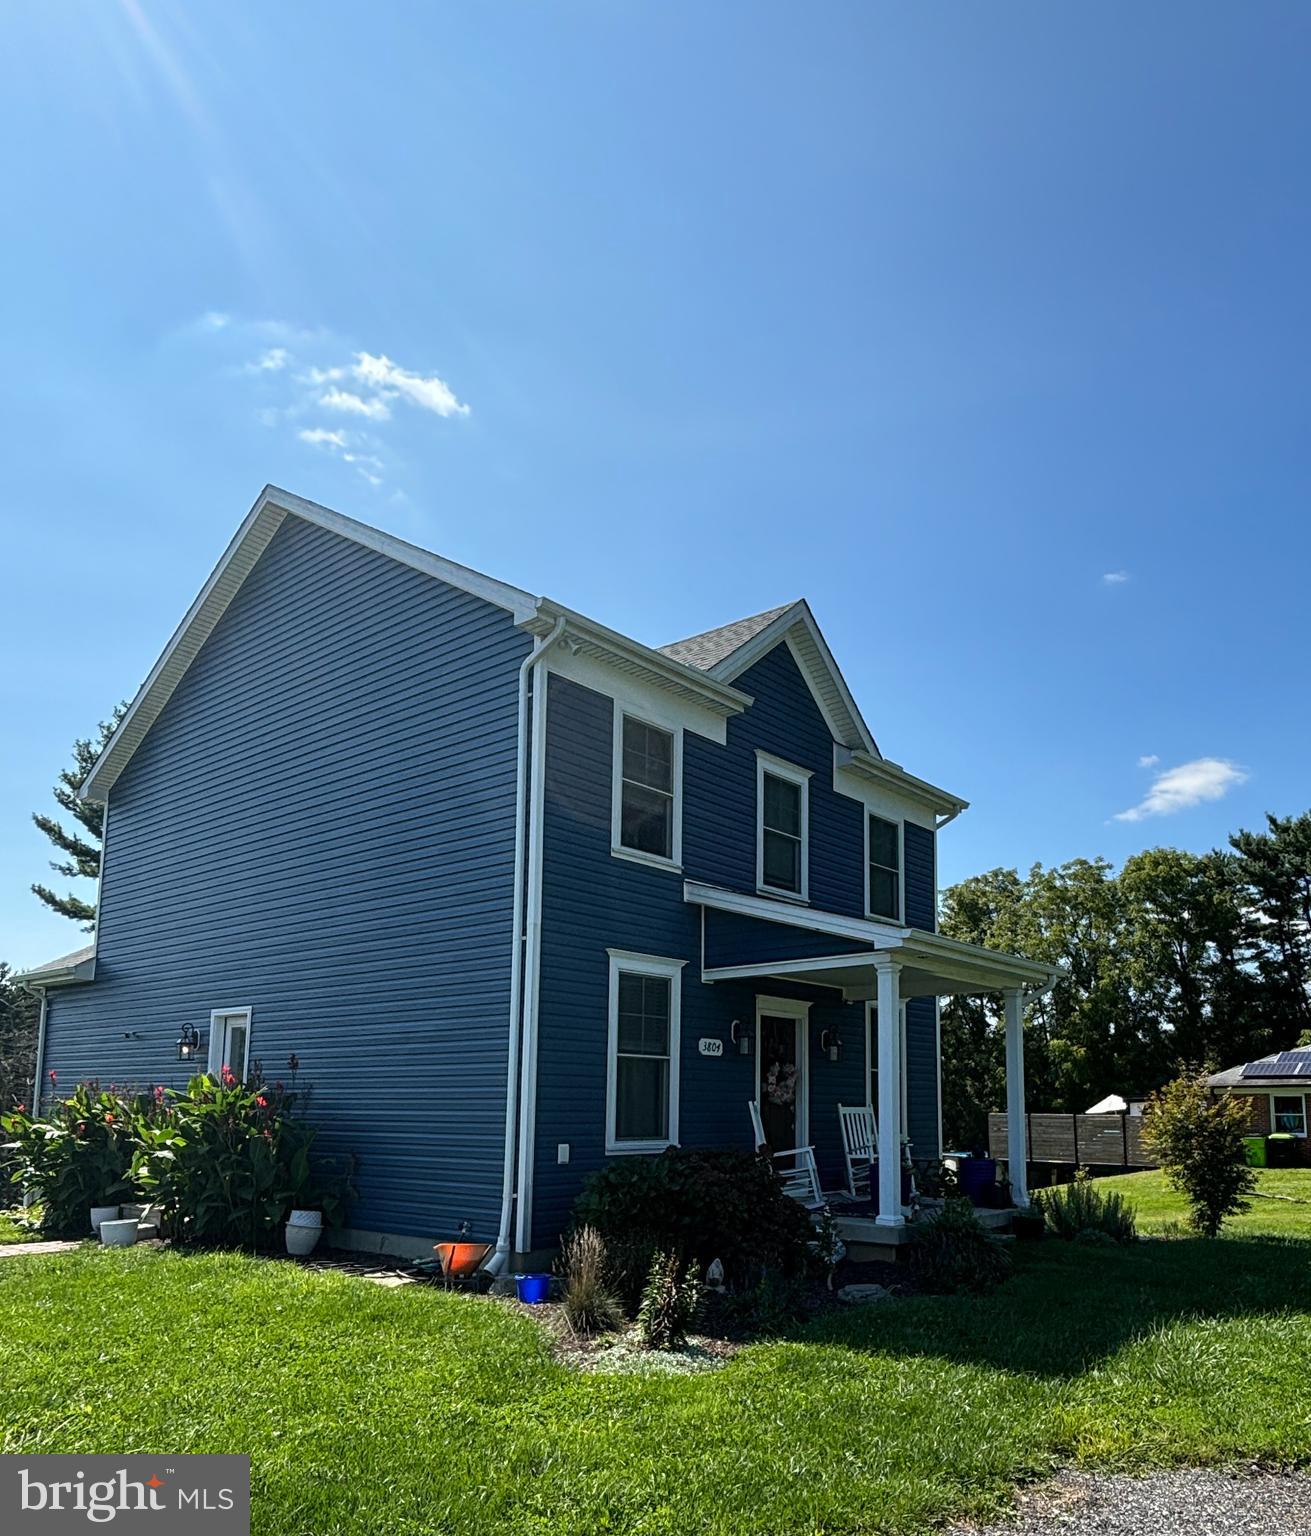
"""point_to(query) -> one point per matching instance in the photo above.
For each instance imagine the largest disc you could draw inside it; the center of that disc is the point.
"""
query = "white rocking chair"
(796, 1165)
(859, 1146)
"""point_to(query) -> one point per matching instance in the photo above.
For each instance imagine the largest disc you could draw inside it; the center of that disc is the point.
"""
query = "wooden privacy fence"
(1104, 1141)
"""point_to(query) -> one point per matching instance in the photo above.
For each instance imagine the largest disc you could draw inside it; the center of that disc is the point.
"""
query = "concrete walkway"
(18, 1250)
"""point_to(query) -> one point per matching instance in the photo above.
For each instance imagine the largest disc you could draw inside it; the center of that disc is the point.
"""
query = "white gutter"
(35, 1105)
(522, 780)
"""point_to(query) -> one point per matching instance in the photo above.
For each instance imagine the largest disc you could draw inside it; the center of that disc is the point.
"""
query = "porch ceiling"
(931, 964)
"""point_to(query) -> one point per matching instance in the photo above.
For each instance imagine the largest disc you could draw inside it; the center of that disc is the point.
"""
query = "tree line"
(1175, 959)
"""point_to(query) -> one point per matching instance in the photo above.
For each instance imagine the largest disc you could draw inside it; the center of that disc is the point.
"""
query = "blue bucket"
(533, 1289)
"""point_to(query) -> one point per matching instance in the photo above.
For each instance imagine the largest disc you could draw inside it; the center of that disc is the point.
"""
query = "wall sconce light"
(831, 1043)
(740, 1035)
(188, 1043)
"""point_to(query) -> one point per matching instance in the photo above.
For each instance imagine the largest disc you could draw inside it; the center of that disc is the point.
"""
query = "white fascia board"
(237, 561)
(636, 694)
(797, 627)
(586, 638)
(793, 915)
(60, 976)
(852, 770)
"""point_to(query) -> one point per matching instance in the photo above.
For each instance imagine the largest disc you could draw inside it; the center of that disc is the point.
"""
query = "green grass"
(1282, 1206)
(409, 1411)
(12, 1232)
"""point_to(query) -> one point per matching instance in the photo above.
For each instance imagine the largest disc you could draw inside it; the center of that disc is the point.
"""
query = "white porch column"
(888, 1108)
(1016, 1151)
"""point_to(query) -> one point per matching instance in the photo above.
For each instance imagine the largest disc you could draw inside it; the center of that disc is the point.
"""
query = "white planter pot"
(101, 1213)
(302, 1240)
(305, 1218)
(119, 1234)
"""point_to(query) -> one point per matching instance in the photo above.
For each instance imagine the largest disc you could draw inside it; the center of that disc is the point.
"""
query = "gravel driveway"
(1186, 1503)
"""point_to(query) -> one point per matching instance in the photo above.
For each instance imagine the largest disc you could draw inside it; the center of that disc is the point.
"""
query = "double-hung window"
(646, 791)
(884, 892)
(782, 827)
(642, 1098)
(1288, 1113)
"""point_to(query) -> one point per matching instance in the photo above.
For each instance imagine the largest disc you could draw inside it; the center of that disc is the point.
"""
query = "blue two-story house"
(519, 893)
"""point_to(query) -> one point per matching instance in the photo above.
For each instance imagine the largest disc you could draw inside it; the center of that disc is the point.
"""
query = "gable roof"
(707, 650)
(732, 648)
(1280, 1069)
(249, 542)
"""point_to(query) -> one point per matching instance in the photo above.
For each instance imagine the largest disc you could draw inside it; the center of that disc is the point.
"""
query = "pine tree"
(81, 848)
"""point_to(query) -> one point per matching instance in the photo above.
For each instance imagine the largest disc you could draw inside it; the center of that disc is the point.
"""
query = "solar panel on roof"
(1285, 1064)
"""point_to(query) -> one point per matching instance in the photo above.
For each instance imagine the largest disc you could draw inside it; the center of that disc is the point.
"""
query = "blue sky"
(983, 327)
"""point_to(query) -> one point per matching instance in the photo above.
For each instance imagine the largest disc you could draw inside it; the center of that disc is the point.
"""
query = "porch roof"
(932, 965)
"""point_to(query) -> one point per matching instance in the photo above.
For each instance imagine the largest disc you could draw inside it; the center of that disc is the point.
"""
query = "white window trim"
(642, 965)
(215, 1054)
(790, 1008)
(617, 848)
(766, 763)
(882, 917)
(1286, 1094)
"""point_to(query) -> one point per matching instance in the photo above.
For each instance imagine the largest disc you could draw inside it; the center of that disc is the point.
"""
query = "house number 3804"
(710, 1047)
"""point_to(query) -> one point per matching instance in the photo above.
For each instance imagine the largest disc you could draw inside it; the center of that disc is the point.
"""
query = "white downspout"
(522, 800)
(40, 1067)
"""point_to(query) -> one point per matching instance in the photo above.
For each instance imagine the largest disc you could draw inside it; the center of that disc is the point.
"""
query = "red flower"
(51, 1074)
(261, 1101)
(159, 1093)
(20, 1109)
(267, 1134)
(228, 1077)
(109, 1119)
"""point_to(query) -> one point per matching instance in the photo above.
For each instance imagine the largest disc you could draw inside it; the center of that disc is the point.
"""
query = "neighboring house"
(1277, 1086)
(521, 893)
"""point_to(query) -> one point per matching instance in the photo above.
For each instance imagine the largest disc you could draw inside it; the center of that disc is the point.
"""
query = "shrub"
(1073, 1209)
(226, 1161)
(952, 1252)
(1198, 1141)
(79, 1155)
(671, 1302)
(588, 1305)
(772, 1305)
(700, 1205)
(1029, 1226)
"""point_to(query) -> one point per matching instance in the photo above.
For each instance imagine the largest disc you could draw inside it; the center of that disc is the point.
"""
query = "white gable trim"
(238, 560)
(796, 625)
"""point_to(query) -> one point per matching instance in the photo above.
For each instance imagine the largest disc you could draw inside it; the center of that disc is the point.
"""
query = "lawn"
(1282, 1205)
(408, 1411)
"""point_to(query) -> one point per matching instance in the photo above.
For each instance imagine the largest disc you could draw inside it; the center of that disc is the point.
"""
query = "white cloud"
(272, 361)
(1148, 760)
(430, 393)
(375, 409)
(213, 320)
(1115, 578)
(1181, 788)
(322, 437)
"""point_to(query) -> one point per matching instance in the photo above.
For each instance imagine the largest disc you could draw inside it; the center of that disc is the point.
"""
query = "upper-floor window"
(782, 827)
(647, 791)
(884, 892)
(642, 1097)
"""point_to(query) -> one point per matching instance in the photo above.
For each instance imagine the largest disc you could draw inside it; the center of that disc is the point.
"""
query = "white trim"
(654, 699)
(757, 968)
(799, 1012)
(871, 1024)
(777, 909)
(1017, 1162)
(796, 625)
(39, 1075)
(883, 917)
(855, 773)
(263, 520)
(937, 1036)
(219, 1020)
(630, 963)
(617, 848)
(790, 773)
(1286, 1095)
(888, 1109)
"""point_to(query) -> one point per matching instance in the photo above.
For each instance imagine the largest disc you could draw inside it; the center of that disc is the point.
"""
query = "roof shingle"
(707, 650)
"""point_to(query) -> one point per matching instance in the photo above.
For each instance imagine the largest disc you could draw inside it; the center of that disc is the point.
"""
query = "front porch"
(868, 1241)
(884, 966)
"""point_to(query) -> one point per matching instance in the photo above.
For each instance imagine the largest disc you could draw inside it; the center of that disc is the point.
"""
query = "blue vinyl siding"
(921, 877)
(593, 901)
(320, 826)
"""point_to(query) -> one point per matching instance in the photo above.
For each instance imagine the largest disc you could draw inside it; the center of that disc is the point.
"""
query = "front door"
(780, 1078)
